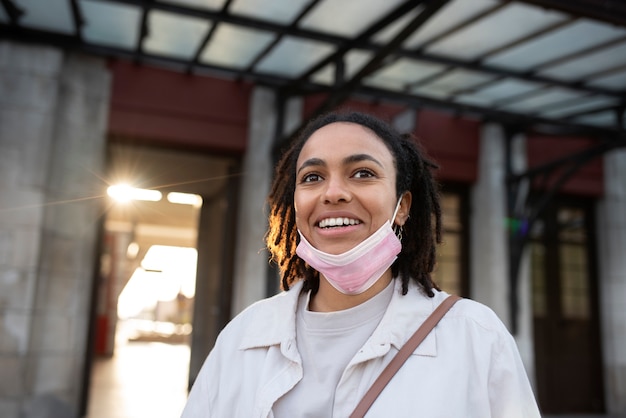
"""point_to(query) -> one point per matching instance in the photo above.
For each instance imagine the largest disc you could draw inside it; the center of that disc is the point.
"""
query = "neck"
(329, 299)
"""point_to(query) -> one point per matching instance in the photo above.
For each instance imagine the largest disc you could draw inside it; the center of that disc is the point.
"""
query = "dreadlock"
(421, 232)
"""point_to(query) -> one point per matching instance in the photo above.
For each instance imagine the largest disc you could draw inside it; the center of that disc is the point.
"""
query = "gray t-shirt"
(327, 341)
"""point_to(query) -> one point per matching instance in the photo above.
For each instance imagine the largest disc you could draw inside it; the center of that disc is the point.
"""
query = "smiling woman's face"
(345, 186)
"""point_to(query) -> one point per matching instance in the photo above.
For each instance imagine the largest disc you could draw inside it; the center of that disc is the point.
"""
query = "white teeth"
(329, 222)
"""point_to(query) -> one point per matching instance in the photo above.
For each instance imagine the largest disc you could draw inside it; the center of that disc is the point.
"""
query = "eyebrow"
(355, 158)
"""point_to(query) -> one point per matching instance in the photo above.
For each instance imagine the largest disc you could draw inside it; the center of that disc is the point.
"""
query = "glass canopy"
(528, 61)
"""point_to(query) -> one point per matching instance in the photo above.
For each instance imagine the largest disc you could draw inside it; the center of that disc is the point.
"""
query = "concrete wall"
(53, 109)
(612, 266)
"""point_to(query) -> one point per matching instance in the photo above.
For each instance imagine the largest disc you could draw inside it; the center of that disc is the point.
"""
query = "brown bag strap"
(404, 353)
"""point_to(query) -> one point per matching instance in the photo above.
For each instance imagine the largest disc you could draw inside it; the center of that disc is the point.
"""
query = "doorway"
(164, 206)
(565, 310)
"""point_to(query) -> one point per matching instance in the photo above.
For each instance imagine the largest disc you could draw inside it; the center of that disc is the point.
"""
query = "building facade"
(61, 112)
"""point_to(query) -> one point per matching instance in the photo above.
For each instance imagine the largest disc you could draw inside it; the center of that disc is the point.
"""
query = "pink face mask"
(356, 270)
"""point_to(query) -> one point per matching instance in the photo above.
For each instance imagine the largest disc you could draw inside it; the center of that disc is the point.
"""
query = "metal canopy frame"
(396, 50)
(611, 12)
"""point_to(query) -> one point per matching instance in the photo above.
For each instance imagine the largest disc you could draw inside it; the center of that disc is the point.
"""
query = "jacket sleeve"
(198, 403)
(510, 393)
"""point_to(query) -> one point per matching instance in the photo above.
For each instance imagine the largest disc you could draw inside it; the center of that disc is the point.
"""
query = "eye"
(310, 178)
(363, 173)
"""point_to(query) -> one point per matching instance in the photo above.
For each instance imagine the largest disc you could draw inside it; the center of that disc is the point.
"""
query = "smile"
(332, 222)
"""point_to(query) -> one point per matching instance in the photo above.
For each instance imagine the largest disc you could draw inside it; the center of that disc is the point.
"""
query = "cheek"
(298, 206)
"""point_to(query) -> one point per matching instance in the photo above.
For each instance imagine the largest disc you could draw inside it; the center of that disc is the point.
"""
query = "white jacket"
(468, 366)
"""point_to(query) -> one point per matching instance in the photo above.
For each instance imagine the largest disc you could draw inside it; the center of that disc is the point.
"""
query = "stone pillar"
(28, 97)
(251, 258)
(489, 283)
(524, 335)
(488, 236)
(612, 270)
(53, 110)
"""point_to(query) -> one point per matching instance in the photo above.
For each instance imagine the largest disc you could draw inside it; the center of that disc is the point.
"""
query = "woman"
(354, 222)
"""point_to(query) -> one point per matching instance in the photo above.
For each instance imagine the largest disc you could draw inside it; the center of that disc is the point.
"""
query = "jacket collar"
(276, 322)
(275, 325)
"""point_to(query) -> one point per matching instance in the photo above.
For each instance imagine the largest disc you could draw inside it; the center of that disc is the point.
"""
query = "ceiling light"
(126, 193)
(185, 199)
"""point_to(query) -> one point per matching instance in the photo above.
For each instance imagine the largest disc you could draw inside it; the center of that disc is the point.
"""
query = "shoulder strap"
(407, 349)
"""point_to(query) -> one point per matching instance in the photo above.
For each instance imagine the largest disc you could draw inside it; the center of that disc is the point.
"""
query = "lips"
(334, 222)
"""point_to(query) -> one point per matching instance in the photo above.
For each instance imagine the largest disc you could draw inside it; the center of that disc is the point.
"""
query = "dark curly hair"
(421, 231)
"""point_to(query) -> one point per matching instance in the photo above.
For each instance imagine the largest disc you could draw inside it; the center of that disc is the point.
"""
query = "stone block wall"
(53, 110)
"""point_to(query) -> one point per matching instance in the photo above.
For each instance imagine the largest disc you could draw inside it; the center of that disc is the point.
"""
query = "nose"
(336, 191)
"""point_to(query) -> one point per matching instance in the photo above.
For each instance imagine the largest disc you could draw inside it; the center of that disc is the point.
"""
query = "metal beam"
(14, 12)
(340, 94)
(237, 20)
(609, 11)
(593, 111)
(463, 25)
(539, 124)
(363, 37)
(525, 214)
(578, 54)
(541, 32)
(78, 19)
(279, 37)
(339, 41)
(207, 38)
(274, 81)
(144, 31)
(503, 73)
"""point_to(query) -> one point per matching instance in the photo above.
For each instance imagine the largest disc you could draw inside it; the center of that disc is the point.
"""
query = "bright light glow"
(164, 273)
(185, 199)
(125, 193)
(132, 250)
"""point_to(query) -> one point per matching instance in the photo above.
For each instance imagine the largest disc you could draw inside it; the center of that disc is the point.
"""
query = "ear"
(403, 211)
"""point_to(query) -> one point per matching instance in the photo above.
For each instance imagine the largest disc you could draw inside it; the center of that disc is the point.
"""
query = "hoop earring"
(399, 229)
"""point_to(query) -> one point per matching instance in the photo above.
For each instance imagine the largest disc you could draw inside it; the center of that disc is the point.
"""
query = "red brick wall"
(164, 107)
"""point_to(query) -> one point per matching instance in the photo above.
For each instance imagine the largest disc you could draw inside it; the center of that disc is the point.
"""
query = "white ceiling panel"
(435, 92)
(405, 71)
(502, 90)
(279, 11)
(570, 56)
(474, 100)
(615, 81)
(454, 13)
(558, 43)
(325, 76)
(292, 56)
(543, 98)
(510, 23)
(54, 15)
(200, 4)
(111, 24)
(354, 61)
(385, 83)
(585, 104)
(388, 33)
(174, 35)
(459, 79)
(235, 46)
(606, 119)
(347, 17)
(590, 63)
